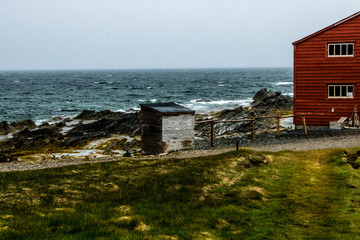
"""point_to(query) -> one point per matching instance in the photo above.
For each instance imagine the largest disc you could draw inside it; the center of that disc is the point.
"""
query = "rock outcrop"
(105, 123)
(31, 140)
(6, 128)
(20, 125)
(264, 103)
(93, 115)
(117, 123)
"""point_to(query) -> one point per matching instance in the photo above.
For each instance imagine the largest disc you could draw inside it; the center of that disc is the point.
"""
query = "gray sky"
(122, 34)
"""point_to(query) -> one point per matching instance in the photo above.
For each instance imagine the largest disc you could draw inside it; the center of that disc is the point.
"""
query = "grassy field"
(237, 195)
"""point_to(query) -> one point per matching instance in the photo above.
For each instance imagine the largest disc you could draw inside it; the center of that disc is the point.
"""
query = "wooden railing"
(252, 121)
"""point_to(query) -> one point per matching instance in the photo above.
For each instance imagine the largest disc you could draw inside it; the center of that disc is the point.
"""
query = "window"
(340, 91)
(340, 49)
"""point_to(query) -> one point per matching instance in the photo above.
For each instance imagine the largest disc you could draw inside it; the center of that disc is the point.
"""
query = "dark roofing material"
(327, 28)
(169, 107)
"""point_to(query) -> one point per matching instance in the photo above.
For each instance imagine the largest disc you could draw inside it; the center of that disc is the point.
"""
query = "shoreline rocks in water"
(6, 128)
(264, 103)
(73, 133)
(90, 126)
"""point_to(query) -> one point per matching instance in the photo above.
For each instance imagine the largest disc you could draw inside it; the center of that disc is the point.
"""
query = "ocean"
(40, 95)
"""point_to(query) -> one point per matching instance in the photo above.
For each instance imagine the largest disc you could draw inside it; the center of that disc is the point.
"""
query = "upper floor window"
(340, 91)
(340, 49)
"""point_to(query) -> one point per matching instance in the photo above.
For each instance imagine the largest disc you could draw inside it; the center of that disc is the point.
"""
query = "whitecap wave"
(199, 105)
(55, 119)
(242, 102)
(133, 109)
(283, 83)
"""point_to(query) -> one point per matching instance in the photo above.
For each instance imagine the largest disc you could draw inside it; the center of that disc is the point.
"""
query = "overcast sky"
(123, 34)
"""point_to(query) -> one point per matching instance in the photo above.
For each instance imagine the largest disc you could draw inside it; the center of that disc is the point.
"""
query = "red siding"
(314, 71)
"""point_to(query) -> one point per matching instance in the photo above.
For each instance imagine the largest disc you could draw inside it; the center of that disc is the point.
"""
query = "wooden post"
(278, 126)
(212, 133)
(304, 123)
(237, 145)
(252, 130)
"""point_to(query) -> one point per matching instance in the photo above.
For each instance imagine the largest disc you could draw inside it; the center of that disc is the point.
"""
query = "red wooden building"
(327, 73)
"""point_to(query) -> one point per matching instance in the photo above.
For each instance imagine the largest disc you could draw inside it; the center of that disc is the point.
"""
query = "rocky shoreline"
(110, 133)
(265, 103)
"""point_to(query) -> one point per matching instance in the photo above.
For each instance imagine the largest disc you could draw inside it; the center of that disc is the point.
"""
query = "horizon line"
(125, 69)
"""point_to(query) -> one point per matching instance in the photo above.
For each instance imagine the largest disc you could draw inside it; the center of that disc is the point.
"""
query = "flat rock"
(7, 158)
(92, 115)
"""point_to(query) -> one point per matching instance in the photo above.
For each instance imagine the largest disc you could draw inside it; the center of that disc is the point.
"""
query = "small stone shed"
(166, 127)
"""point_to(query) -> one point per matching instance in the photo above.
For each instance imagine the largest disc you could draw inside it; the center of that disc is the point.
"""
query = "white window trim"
(341, 55)
(341, 94)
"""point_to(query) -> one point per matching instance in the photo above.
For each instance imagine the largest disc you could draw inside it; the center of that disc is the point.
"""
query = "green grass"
(298, 195)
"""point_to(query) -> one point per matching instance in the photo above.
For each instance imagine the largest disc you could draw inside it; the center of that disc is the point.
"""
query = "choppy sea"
(40, 95)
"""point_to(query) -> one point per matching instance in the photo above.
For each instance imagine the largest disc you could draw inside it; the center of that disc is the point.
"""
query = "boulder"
(128, 154)
(27, 123)
(5, 128)
(131, 144)
(115, 145)
(7, 158)
(259, 96)
(353, 159)
(265, 101)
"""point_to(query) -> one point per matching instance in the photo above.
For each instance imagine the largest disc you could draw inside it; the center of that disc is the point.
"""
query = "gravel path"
(294, 140)
(297, 141)
(71, 161)
(49, 163)
(313, 144)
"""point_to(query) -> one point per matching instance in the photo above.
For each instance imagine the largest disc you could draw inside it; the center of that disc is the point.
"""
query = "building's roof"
(169, 107)
(327, 28)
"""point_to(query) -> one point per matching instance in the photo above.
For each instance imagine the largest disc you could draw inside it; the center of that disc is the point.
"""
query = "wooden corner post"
(278, 126)
(304, 123)
(212, 133)
(252, 130)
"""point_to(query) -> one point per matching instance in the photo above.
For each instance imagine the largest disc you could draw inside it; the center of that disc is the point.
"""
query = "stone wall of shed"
(178, 132)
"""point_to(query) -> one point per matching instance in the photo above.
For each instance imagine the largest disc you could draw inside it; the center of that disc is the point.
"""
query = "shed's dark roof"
(327, 28)
(169, 107)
